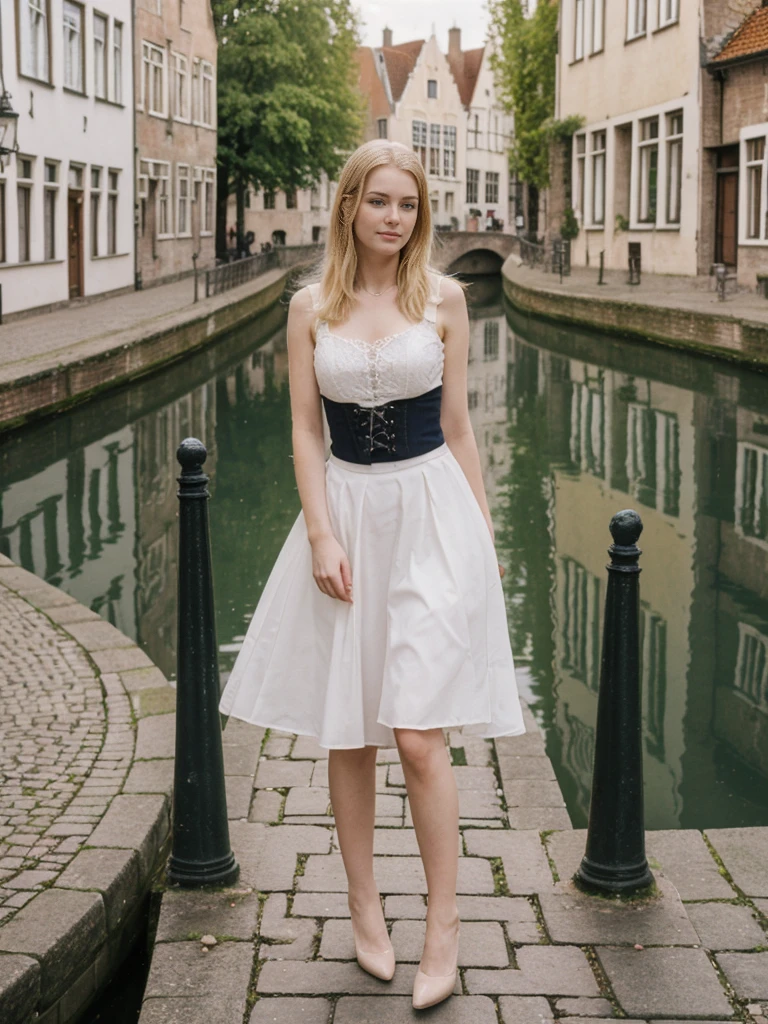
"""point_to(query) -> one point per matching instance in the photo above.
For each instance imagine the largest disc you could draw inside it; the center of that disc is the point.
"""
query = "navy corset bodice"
(400, 429)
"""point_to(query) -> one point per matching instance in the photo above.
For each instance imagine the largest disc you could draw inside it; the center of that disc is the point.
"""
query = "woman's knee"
(418, 747)
(354, 757)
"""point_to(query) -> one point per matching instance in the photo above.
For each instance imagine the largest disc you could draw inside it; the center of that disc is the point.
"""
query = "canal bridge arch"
(472, 252)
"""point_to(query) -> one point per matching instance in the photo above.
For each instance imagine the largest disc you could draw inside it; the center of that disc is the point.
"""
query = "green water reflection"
(570, 428)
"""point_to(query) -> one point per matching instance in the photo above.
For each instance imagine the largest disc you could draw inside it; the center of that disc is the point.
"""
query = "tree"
(288, 104)
(524, 61)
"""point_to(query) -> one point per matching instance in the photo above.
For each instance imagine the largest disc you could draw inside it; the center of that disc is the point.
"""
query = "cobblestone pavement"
(675, 291)
(533, 948)
(51, 731)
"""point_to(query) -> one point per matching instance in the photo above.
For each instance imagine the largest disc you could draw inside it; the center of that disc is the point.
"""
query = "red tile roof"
(400, 61)
(370, 83)
(465, 67)
(750, 39)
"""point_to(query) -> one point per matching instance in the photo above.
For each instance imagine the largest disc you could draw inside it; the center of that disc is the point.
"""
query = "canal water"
(571, 427)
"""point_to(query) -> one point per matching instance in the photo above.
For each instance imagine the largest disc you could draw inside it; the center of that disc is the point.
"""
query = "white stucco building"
(66, 197)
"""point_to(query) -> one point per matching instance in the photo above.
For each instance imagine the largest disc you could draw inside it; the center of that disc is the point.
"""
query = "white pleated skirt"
(425, 642)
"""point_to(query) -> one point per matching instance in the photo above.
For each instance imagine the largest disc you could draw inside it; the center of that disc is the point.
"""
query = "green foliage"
(288, 102)
(524, 64)
(622, 224)
(562, 131)
(569, 228)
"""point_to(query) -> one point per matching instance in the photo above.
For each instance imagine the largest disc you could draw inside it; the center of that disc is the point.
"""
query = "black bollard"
(201, 852)
(602, 267)
(615, 858)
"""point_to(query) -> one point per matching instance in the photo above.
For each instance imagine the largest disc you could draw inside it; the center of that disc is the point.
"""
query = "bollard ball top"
(191, 453)
(626, 527)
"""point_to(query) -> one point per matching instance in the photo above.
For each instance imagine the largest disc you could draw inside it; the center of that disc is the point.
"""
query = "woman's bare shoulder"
(452, 294)
(301, 300)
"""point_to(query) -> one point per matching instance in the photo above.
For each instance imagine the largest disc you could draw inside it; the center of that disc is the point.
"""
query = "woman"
(403, 632)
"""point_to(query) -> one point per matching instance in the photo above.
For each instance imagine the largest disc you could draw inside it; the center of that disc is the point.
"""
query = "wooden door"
(75, 243)
(727, 237)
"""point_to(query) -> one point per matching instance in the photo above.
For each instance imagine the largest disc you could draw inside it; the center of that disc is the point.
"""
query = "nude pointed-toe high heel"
(429, 989)
(380, 965)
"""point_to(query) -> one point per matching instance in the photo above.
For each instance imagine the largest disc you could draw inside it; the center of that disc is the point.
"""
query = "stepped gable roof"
(750, 39)
(370, 83)
(465, 67)
(400, 61)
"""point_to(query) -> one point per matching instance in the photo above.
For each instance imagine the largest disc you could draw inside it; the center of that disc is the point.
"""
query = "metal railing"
(229, 275)
(552, 256)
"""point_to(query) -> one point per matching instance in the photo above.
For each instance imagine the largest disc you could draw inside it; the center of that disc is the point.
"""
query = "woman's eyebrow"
(385, 195)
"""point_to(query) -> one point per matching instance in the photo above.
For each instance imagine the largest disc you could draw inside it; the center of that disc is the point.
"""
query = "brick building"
(175, 66)
(735, 130)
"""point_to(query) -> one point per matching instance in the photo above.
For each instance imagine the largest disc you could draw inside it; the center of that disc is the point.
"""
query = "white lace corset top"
(402, 365)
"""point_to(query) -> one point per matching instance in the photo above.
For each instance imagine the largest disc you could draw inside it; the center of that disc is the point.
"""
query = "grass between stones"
(500, 887)
(603, 984)
(541, 924)
(544, 836)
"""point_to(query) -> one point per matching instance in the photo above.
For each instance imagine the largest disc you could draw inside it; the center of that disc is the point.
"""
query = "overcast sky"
(414, 19)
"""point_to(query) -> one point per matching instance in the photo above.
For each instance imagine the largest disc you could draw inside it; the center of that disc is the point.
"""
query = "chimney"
(387, 37)
(454, 41)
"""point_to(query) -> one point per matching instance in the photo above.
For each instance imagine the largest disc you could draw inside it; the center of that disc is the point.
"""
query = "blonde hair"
(340, 262)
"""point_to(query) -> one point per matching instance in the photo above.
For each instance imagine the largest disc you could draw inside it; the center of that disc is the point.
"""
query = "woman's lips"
(389, 234)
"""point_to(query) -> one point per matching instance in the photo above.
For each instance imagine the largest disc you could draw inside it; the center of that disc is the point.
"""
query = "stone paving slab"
(398, 1009)
(745, 854)
(542, 971)
(287, 1010)
(723, 926)
(225, 914)
(747, 972)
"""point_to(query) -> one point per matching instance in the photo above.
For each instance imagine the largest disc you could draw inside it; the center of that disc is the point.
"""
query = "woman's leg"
(434, 802)
(352, 781)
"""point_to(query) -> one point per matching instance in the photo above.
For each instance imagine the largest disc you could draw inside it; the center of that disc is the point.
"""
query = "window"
(182, 200)
(581, 159)
(653, 457)
(24, 206)
(674, 165)
(473, 186)
(33, 37)
(419, 137)
(754, 168)
(434, 204)
(206, 176)
(492, 186)
(206, 93)
(491, 340)
(669, 12)
(474, 132)
(434, 149)
(73, 46)
(598, 25)
(114, 178)
(598, 177)
(3, 254)
(95, 204)
(578, 29)
(269, 200)
(290, 200)
(636, 18)
(752, 491)
(49, 210)
(75, 178)
(381, 127)
(100, 56)
(163, 199)
(432, 88)
(153, 79)
(648, 169)
(449, 151)
(117, 62)
(180, 87)
(449, 202)
(751, 674)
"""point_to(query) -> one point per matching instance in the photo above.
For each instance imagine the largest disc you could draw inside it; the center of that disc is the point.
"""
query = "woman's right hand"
(331, 568)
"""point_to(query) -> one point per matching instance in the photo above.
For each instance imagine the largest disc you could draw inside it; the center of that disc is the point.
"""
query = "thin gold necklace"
(381, 292)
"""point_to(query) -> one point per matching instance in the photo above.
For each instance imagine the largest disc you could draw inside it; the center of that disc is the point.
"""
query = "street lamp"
(9, 121)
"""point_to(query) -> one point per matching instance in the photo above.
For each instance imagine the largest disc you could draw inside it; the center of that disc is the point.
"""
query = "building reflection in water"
(570, 428)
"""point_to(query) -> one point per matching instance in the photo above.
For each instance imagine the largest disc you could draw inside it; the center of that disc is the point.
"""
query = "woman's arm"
(454, 410)
(330, 566)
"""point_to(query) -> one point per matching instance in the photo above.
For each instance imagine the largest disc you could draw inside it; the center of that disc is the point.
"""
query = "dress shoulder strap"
(434, 299)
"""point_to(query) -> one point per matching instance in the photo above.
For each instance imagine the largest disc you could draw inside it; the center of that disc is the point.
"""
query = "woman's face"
(388, 210)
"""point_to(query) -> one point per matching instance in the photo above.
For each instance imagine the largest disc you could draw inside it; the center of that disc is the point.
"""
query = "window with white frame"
(206, 93)
(637, 18)
(3, 253)
(674, 165)
(162, 172)
(754, 166)
(648, 170)
(598, 177)
(269, 199)
(434, 149)
(474, 132)
(142, 194)
(473, 186)
(419, 140)
(669, 12)
(381, 127)
(432, 88)
(449, 151)
(183, 221)
(598, 25)
(581, 168)
(112, 194)
(33, 16)
(73, 46)
(578, 29)
(153, 79)
(100, 55)
(50, 197)
(95, 207)
(752, 491)
(206, 179)
(751, 675)
(117, 62)
(24, 206)
(180, 87)
(492, 187)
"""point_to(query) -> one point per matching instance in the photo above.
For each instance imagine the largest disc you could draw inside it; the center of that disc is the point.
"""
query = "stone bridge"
(472, 252)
